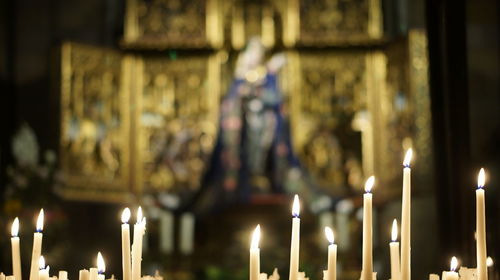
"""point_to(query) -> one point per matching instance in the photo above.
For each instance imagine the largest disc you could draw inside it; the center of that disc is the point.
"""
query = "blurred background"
(211, 114)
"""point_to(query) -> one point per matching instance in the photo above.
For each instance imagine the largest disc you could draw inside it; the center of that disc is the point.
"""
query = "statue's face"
(255, 53)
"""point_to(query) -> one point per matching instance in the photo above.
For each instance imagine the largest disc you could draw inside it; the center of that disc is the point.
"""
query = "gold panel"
(94, 146)
(173, 24)
(250, 19)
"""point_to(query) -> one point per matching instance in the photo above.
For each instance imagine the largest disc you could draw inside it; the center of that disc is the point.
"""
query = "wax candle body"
(137, 251)
(35, 256)
(395, 265)
(406, 226)
(63, 275)
(93, 273)
(10, 277)
(187, 233)
(16, 257)
(126, 252)
(254, 263)
(482, 272)
(332, 262)
(83, 275)
(294, 250)
(367, 265)
(450, 275)
(43, 274)
(167, 232)
(433, 277)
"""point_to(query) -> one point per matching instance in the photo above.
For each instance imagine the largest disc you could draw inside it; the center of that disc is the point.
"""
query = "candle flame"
(481, 178)
(39, 221)
(139, 214)
(329, 235)
(489, 262)
(41, 262)
(296, 206)
(101, 265)
(453, 264)
(408, 155)
(255, 238)
(143, 222)
(394, 232)
(369, 184)
(125, 215)
(14, 230)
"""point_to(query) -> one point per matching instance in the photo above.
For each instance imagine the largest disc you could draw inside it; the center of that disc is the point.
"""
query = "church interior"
(236, 139)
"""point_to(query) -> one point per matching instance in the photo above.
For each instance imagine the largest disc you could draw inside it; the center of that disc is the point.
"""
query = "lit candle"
(367, 265)
(83, 275)
(452, 274)
(16, 255)
(126, 244)
(101, 267)
(63, 275)
(43, 272)
(331, 272)
(37, 247)
(93, 273)
(294, 249)
(482, 271)
(406, 219)
(255, 255)
(394, 250)
(139, 228)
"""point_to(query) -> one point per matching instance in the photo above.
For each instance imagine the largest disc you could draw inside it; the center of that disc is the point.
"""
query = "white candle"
(43, 273)
(332, 255)
(2, 276)
(433, 277)
(482, 271)
(367, 265)
(255, 255)
(166, 232)
(16, 252)
(394, 250)
(295, 244)
(93, 273)
(37, 247)
(452, 274)
(83, 275)
(10, 277)
(63, 275)
(406, 219)
(126, 245)
(187, 233)
(139, 228)
(101, 267)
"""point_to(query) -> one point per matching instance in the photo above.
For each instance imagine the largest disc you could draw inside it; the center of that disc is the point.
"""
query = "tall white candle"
(367, 265)
(16, 252)
(63, 275)
(139, 228)
(37, 247)
(452, 274)
(295, 244)
(101, 267)
(166, 232)
(332, 255)
(43, 273)
(406, 219)
(255, 255)
(126, 245)
(482, 270)
(187, 233)
(394, 250)
(83, 275)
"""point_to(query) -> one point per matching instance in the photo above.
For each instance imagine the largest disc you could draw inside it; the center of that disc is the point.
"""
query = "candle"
(83, 275)
(139, 228)
(93, 273)
(255, 255)
(482, 272)
(452, 274)
(126, 245)
(332, 255)
(294, 248)
(37, 247)
(166, 232)
(433, 276)
(16, 255)
(406, 219)
(394, 250)
(187, 233)
(10, 277)
(367, 265)
(63, 275)
(101, 267)
(43, 272)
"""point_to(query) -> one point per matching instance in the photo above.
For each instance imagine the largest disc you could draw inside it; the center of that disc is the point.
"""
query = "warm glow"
(255, 238)
(453, 264)
(139, 214)
(481, 178)
(41, 262)
(329, 235)
(406, 161)
(14, 230)
(125, 215)
(369, 184)
(101, 266)
(296, 206)
(489, 262)
(144, 221)
(394, 231)
(39, 221)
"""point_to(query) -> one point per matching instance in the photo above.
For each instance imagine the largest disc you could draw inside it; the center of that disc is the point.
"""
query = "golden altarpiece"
(343, 80)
